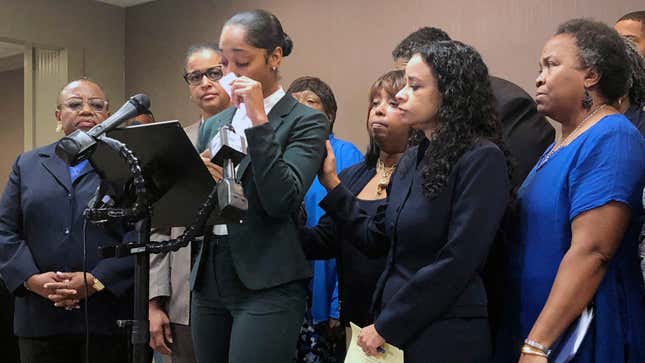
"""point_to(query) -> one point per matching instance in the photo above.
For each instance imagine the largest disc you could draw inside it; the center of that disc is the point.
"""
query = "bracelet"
(530, 351)
(24, 284)
(535, 345)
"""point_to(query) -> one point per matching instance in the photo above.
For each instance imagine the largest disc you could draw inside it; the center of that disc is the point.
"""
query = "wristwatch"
(97, 285)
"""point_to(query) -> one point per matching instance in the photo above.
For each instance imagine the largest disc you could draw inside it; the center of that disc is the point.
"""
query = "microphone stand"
(141, 214)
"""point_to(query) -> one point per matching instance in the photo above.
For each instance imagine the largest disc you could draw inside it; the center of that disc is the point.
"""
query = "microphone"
(229, 149)
(79, 145)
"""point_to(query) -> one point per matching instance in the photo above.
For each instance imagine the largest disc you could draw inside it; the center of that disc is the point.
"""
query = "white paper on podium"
(355, 354)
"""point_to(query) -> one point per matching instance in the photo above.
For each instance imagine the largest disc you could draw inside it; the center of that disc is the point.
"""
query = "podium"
(176, 179)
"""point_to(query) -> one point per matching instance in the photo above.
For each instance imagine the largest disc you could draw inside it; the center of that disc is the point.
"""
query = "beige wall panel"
(11, 119)
(346, 43)
(93, 32)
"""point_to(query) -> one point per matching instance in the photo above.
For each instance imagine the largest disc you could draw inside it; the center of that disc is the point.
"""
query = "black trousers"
(451, 340)
(232, 324)
(8, 342)
(182, 345)
(71, 349)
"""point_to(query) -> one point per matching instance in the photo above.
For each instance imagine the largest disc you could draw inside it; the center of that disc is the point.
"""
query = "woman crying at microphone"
(249, 280)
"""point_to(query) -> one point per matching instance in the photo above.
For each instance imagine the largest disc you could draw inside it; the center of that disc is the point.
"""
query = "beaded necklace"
(570, 137)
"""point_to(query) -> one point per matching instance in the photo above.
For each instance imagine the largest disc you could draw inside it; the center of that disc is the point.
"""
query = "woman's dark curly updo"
(467, 112)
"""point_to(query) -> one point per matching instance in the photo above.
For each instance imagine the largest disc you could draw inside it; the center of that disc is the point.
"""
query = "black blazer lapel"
(56, 167)
(276, 117)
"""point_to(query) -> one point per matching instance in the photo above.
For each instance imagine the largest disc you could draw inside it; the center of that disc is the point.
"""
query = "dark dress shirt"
(358, 271)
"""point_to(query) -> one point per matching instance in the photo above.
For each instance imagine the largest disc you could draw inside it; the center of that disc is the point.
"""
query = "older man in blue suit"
(41, 248)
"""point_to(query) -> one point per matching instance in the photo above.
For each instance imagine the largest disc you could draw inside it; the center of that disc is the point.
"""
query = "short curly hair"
(601, 48)
(322, 90)
(420, 38)
(467, 112)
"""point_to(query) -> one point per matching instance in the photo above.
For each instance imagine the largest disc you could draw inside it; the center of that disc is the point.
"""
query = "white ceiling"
(125, 3)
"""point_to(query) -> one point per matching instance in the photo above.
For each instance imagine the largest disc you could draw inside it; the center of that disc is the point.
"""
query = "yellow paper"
(355, 353)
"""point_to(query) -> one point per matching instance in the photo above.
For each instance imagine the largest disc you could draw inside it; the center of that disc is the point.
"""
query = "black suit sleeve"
(366, 232)
(16, 262)
(526, 132)
(480, 198)
(320, 242)
(283, 175)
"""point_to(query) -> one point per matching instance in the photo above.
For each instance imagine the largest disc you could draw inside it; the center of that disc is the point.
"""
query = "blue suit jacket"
(41, 230)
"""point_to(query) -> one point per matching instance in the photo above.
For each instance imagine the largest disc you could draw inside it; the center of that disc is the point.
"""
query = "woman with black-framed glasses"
(202, 72)
(169, 305)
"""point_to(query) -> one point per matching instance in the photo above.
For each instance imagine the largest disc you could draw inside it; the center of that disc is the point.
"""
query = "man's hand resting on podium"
(215, 170)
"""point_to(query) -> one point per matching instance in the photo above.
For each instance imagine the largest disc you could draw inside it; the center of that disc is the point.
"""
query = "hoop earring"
(587, 101)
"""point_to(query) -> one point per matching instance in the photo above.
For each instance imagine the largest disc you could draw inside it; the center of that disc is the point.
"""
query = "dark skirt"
(451, 340)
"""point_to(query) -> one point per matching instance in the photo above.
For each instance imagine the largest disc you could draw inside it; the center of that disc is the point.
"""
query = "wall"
(11, 119)
(92, 32)
(346, 43)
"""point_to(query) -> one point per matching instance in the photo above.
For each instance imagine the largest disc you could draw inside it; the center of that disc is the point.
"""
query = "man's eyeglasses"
(95, 104)
(195, 78)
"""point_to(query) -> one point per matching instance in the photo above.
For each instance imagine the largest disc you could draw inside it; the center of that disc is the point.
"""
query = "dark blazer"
(41, 230)
(636, 114)
(526, 132)
(283, 158)
(438, 246)
(358, 270)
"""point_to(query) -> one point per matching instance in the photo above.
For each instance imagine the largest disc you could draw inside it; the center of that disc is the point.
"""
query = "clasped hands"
(64, 289)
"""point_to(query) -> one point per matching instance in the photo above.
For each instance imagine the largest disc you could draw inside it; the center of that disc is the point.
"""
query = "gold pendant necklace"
(383, 173)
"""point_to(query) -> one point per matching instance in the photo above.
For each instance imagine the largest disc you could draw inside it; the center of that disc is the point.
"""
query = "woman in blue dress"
(576, 239)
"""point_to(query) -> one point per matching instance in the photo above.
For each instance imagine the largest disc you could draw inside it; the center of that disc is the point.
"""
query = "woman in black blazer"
(358, 271)
(446, 200)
